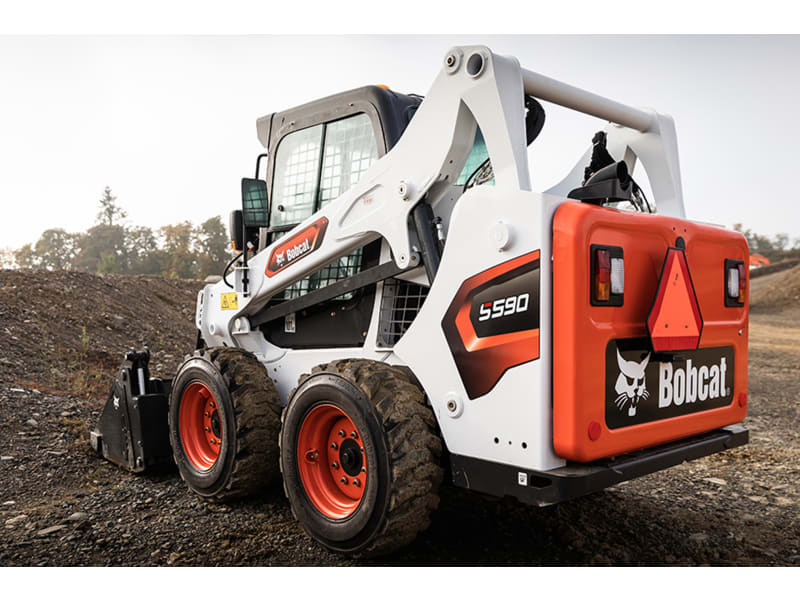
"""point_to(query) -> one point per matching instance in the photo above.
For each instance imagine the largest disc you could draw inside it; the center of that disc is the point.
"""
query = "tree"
(109, 211)
(212, 247)
(24, 257)
(144, 256)
(100, 241)
(55, 250)
(179, 256)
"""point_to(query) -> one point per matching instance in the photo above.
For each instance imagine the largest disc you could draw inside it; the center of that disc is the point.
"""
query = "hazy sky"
(169, 122)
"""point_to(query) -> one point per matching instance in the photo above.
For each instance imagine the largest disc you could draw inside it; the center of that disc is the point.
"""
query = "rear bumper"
(542, 488)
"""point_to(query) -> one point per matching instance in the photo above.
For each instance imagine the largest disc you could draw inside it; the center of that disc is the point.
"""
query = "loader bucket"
(133, 431)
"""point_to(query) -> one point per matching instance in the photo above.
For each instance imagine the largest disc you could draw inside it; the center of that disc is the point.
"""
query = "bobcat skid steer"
(405, 308)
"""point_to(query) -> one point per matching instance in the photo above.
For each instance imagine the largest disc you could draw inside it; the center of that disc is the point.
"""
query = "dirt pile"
(66, 331)
(777, 292)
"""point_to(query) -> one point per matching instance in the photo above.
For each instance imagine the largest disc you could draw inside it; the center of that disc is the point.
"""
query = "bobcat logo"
(630, 385)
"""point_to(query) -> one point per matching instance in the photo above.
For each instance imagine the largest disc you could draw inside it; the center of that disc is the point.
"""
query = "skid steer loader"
(404, 308)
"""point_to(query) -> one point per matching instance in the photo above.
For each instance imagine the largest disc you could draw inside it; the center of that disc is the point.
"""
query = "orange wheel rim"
(200, 426)
(331, 461)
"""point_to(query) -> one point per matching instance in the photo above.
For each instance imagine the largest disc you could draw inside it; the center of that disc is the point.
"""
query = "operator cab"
(315, 153)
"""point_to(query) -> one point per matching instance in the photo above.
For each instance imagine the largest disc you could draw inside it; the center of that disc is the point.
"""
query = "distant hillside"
(776, 292)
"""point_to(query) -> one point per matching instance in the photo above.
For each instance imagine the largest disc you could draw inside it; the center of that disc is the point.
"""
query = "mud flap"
(133, 431)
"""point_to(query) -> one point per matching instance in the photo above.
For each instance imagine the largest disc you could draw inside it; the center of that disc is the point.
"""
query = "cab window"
(312, 167)
(317, 164)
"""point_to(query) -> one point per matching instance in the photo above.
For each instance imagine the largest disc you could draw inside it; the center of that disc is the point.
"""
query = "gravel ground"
(61, 505)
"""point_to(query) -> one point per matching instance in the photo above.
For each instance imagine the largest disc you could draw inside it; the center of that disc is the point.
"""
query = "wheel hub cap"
(200, 426)
(331, 462)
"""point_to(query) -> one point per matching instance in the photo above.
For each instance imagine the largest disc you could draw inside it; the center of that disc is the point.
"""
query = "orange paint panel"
(584, 375)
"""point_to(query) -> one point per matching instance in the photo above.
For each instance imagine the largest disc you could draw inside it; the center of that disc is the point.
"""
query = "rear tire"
(360, 420)
(224, 419)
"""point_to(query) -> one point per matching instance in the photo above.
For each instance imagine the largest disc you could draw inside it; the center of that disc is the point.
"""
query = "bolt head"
(343, 480)
(334, 445)
(451, 405)
(353, 434)
(356, 483)
(341, 433)
(335, 465)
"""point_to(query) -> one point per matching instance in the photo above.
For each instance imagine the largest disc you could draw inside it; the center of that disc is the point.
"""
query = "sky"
(169, 122)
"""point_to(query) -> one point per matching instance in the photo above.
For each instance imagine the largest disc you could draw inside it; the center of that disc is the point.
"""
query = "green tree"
(109, 211)
(213, 247)
(54, 250)
(143, 253)
(99, 241)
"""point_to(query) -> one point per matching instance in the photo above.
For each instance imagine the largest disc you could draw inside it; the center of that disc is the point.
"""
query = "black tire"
(401, 450)
(248, 421)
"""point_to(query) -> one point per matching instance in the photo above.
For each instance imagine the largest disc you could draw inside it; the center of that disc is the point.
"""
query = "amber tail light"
(608, 276)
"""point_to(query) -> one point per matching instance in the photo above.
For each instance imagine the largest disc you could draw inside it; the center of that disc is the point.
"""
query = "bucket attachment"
(134, 431)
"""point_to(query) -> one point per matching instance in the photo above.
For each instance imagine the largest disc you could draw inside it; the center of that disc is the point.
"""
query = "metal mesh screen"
(295, 183)
(342, 268)
(400, 304)
(350, 149)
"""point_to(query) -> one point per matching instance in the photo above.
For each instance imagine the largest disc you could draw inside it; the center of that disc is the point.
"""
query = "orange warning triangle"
(675, 322)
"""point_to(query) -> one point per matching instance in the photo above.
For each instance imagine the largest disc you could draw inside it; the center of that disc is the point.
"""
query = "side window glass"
(295, 184)
(476, 158)
(302, 186)
(350, 149)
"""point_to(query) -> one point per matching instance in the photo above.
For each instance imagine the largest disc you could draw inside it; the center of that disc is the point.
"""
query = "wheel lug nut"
(207, 428)
(343, 480)
(334, 445)
(206, 414)
(335, 465)
(356, 483)
(353, 435)
(363, 470)
(341, 433)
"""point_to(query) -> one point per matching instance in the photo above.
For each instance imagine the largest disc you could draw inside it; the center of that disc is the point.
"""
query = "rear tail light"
(742, 282)
(735, 282)
(607, 276)
(617, 276)
(602, 276)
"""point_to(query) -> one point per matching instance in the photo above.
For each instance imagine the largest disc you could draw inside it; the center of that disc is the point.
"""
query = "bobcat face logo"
(630, 385)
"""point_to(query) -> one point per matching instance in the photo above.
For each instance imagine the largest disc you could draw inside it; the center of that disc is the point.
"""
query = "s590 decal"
(492, 324)
(504, 307)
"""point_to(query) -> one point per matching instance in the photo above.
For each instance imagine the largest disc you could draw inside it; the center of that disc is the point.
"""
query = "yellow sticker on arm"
(229, 301)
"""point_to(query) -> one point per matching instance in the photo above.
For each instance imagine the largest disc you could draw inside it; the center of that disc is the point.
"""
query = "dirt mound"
(779, 292)
(67, 331)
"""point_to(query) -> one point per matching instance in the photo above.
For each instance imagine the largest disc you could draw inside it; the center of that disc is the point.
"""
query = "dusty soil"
(61, 505)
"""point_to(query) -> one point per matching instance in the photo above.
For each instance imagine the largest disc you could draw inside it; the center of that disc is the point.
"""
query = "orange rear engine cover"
(619, 385)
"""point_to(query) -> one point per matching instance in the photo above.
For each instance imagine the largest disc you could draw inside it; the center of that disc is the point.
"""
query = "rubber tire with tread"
(249, 408)
(402, 452)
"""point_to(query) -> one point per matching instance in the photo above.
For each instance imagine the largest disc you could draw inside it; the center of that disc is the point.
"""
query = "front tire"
(360, 457)
(224, 419)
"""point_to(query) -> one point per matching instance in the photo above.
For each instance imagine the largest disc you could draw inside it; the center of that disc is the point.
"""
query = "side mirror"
(236, 230)
(255, 204)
